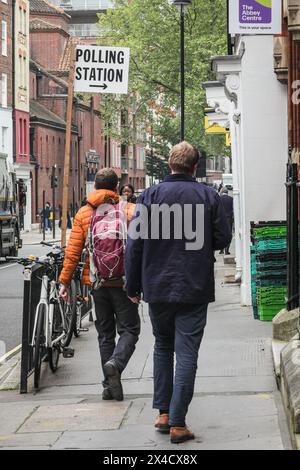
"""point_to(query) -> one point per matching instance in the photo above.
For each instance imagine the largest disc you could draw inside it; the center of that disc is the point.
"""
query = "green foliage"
(151, 29)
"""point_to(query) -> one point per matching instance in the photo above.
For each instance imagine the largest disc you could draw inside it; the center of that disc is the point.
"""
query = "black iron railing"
(292, 236)
(32, 291)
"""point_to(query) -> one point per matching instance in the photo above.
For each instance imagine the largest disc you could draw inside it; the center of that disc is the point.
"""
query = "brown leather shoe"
(162, 423)
(180, 434)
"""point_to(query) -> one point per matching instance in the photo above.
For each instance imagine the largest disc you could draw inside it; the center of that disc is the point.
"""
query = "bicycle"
(84, 300)
(54, 319)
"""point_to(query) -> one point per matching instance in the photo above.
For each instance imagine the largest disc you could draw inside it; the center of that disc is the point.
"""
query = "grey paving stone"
(241, 422)
(12, 416)
(82, 416)
(33, 440)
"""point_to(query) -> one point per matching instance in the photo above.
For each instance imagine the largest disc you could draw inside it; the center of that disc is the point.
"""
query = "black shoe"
(113, 375)
(221, 252)
(106, 394)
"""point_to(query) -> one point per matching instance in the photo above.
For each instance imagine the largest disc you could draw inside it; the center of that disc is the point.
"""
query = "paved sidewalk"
(34, 237)
(236, 403)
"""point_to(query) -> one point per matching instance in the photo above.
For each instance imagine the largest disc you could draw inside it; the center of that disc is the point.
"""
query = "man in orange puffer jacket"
(114, 311)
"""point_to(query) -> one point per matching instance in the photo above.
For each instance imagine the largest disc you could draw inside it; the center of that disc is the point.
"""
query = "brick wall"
(57, 20)
(47, 48)
(49, 147)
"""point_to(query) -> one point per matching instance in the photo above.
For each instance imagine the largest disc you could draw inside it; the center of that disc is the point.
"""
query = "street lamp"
(182, 6)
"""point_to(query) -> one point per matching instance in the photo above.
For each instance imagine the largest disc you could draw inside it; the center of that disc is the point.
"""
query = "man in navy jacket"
(227, 202)
(171, 261)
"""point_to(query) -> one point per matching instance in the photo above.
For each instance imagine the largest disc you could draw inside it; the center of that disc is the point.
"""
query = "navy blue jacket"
(163, 269)
(227, 202)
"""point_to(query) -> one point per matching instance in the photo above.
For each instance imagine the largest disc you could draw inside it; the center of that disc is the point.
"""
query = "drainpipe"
(234, 122)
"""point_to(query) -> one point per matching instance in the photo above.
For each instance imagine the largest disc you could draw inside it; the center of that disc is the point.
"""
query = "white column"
(27, 216)
(236, 190)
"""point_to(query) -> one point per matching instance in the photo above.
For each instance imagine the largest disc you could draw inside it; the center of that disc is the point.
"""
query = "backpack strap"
(92, 206)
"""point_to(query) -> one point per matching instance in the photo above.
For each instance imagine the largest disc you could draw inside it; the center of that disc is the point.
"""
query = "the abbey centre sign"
(101, 69)
(255, 17)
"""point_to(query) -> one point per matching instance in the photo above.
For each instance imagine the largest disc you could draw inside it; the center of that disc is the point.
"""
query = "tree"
(152, 32)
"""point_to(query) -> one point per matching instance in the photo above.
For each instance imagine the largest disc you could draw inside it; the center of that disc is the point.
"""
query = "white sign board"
(101, 69)
(255, 17)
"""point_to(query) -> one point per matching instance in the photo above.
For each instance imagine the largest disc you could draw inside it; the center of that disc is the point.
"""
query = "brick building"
(48, 91)
(127, 161)
(23, 166)
(90, 150)
(6, 79)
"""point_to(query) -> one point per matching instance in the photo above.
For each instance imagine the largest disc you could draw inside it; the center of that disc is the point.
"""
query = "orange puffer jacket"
(79, 233)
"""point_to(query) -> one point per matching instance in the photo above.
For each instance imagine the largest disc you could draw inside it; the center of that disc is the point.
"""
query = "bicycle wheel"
(53, 356)
(57, 329)
(77, 325)
(70, 315)
(39, 345)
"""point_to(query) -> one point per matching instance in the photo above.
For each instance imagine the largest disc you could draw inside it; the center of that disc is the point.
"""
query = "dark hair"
(183, 158)
(127, 186)
(106, 179)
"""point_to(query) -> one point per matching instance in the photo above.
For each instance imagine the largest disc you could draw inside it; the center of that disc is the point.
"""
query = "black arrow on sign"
(100, 86)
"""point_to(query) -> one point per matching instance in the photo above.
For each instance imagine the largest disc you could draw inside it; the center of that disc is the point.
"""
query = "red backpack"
(107, 237)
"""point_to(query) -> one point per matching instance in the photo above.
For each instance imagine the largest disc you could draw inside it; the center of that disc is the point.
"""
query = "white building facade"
(253, 103)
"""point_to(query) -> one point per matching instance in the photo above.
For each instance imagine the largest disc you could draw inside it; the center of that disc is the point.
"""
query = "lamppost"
(182, 5)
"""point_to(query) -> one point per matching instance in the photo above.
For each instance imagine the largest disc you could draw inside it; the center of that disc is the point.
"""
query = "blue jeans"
(48, 224)
(177, 328)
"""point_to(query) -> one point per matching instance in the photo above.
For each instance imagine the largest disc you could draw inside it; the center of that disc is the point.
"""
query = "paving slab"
(79, 417)
(34, 440)
(218, 422)
(12, 416)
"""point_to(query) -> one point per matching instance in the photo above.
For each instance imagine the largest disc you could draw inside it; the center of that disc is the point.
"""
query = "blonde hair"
(183, 158)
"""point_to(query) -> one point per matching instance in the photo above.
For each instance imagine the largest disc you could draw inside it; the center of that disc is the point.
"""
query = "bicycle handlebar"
(52, 245)
(24, 261)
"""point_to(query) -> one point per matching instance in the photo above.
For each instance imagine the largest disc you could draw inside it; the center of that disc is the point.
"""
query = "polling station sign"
(255, 17)
(101, 69)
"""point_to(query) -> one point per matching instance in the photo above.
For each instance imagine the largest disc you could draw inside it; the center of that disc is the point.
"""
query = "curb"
(10, 354)
(297, 441)
(10, 364)
(39, 242)
(12, 381)
(277, 347)
(278, 350)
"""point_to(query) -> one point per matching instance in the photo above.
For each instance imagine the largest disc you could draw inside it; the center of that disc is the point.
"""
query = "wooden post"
(67, 149)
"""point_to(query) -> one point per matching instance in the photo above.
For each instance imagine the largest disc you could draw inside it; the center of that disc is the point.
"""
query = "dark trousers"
(116, 313)
(177, 328)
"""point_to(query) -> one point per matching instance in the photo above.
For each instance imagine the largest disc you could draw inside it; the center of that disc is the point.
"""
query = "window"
(25, 24)
(21, 71)
(113, 155)
(21, 19)
(21, 137)
(24, 73)
(25, 137)
(4, 139)
(4, 90)
(4, 37)
(140, 158)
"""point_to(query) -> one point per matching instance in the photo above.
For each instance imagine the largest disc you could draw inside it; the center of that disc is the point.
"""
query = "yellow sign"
(213, 128)
(228, 139)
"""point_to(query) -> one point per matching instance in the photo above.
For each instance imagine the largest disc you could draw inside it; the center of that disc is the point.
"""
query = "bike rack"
(31, 296)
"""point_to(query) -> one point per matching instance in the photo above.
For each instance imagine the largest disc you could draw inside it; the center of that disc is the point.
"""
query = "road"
(11, 299)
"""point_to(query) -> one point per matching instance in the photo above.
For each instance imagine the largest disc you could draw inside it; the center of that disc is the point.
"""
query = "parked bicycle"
(84, 301)
(54, 319)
